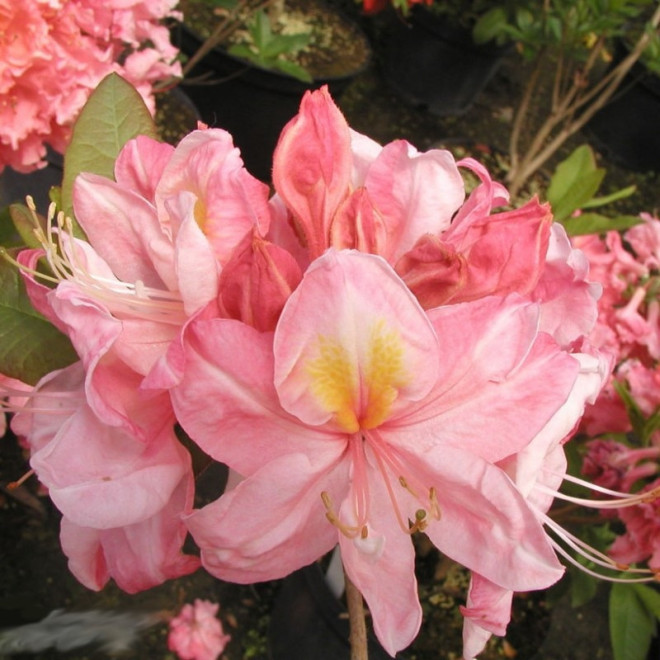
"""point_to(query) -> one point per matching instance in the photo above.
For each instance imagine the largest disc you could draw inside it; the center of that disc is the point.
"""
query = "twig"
(358, 626)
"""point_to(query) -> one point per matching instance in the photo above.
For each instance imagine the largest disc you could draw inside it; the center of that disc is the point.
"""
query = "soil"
(34, 578)
(336, 47)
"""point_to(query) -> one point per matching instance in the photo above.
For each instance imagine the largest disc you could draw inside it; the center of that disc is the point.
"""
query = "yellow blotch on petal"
(200, 213)
(385, 374)
(338, 387)
(333, 381)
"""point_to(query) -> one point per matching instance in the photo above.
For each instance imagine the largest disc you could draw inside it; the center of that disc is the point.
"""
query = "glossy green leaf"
(113, 114)
(30, 346)
(574, 183)
(631, 625)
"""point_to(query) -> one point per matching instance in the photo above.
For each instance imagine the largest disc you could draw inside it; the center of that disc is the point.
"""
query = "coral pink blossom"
(363, 413)
(52, 56)
(196, 633)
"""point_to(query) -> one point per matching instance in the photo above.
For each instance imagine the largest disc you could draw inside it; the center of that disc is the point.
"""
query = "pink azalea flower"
(121, 496)
(644, 239)
(196, 633)
(363, 413)
(341, 189)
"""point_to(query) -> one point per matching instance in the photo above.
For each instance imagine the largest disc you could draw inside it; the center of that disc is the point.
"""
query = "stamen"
(135, 300)
(623, 499)
(349, 531)
(435, 505)
(13, 485)
(592, 554)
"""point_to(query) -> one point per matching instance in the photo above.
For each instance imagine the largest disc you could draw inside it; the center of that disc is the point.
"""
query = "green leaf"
(583, 587)
(574, 183)
(490, 25)
(294, 70)
(113, 114)
(631, 626)
(581, 160)
(577, 195)
(30, 346)
(612, 197)
(594, 223)
(650, 597)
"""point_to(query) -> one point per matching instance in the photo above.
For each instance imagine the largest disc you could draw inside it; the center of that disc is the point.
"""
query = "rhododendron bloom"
(121, 496)
(196, 633)
(364, 419)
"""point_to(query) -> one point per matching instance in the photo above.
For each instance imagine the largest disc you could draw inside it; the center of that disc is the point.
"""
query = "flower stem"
(358, 627)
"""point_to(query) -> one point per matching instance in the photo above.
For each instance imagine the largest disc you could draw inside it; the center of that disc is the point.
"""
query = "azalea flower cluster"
(371, 352)
(55, 52)
(628, 326)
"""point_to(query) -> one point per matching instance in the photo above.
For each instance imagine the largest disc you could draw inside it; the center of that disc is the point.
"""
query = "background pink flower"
(196, 633)
(55, 53)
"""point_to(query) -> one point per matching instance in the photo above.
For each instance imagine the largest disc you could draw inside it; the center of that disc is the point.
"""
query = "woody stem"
(358, 627)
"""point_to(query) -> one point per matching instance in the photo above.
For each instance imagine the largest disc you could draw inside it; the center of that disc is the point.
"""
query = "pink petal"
(124, 228)
(140, 165)
(352, 345)
(228, 200)
(416, 193)
(481, 508)
(100, 477)
(487, 612)
(271, 525)
(490, 398)
(138, 556)
(312, 167)
(231, 364)
(393, 602)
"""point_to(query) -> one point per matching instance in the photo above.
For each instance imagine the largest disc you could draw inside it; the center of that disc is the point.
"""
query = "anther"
(13, 485)
(435, 505)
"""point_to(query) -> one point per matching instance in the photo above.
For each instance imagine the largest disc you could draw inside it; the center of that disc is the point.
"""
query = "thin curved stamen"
(621, 500)
(592, 554)
(594, 574)
(133, 299)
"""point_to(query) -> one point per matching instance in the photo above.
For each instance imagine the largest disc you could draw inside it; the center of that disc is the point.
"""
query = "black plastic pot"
(435, 65)
(626, 129)
(308, 622)
(250, 102)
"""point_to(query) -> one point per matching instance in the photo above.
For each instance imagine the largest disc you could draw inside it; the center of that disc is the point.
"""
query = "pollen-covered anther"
(435, 505)
(13, 485)
(420, 523)
(405, 485)
(651, 496)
